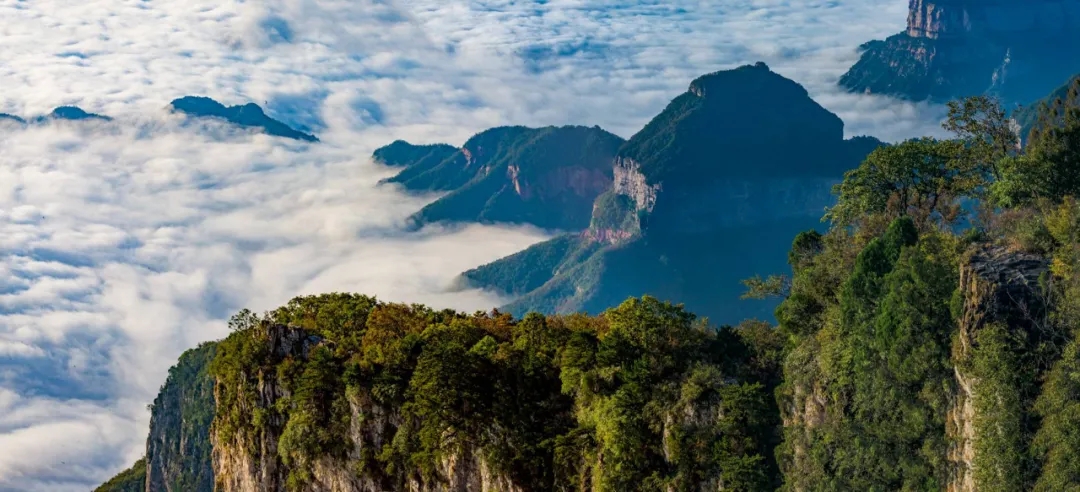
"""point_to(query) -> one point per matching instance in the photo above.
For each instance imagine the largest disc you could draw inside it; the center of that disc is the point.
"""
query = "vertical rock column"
(1000, 293)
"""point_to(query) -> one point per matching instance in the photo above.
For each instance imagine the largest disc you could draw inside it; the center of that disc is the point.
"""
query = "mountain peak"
(730, 117)
(247, 115)
(198, 105)
(754, 78)
(73, 113)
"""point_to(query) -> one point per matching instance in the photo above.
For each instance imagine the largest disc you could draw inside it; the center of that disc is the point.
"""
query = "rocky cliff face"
(630, 182)
(342, 393)
(956, 48)
(252, 462)
(178, 445)
(944, 19)
(998, 288)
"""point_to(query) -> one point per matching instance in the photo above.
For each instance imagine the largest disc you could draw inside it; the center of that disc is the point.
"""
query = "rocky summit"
(953, 48)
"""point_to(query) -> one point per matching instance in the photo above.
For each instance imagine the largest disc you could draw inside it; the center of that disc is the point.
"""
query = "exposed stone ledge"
(630, 182)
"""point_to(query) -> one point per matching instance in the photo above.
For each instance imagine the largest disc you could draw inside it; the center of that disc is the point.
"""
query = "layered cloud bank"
(123, 243)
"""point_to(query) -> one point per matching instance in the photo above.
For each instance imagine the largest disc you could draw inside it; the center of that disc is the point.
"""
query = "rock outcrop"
(956, 48)
(371, 427)
(951, 19)
(342, 393)
(998, 287)
(631, 183)
(178, 445)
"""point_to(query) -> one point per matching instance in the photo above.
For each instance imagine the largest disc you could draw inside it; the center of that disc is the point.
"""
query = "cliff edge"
(956, 48)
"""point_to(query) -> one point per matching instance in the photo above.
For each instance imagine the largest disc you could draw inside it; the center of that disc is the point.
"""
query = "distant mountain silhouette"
(70, 113)
(248, 115)
(11, 117)
(548, 177)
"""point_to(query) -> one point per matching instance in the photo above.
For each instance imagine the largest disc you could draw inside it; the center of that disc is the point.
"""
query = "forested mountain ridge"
(922, 344)
(929, 341)
(547, 177)
(703, 182)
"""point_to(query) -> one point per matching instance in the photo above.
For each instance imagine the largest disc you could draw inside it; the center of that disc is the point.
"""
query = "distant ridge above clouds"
(68, 113)
(72, 113)
(246, 115)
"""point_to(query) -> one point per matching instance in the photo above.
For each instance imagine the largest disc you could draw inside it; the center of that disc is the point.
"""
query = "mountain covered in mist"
(248, 115)
(703, 197)
(920, 344)
(61, 113)
(547, 177)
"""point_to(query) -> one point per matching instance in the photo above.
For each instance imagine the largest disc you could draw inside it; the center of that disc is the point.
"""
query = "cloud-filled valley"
(124, 243)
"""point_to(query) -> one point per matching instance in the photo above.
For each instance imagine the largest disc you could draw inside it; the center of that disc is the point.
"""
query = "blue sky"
(124, 243)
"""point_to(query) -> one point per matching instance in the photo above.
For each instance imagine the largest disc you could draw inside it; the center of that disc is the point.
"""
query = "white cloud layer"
(123, 244)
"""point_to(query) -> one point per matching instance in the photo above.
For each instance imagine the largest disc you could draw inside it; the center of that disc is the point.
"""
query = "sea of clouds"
(124, 243)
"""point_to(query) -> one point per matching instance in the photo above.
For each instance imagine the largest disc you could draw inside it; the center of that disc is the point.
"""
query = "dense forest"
(925, 341)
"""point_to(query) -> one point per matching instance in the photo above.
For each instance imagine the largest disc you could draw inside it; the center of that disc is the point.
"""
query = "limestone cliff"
(998, 289)
(956, 48)
(631, 183)
(251, 460)
(178, 445)
(943, 19)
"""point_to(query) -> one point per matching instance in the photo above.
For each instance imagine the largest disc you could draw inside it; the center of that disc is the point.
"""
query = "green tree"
(1051, 167)
(923, 178)
(985, 129)
(1058, 439)
(868, 389)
